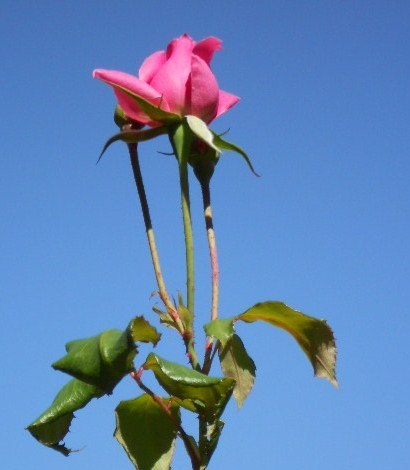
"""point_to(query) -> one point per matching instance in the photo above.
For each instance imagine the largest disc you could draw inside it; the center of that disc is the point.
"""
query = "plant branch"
(189, 240)
(132, 148)
(189, 445)
(213, 253)
(181, 138)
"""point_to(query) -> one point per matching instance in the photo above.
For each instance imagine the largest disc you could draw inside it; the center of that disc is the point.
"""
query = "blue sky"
(324, 114)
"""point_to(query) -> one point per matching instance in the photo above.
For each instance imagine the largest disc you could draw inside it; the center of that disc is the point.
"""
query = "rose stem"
(184, 436)
(151, 237)
(206, 198)
(189, 251)
(181, 138)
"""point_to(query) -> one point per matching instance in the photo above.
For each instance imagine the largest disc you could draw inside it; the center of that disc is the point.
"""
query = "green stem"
(213, 253)
(132, 148)
(203, 442)
(189, 255)
(181, 138)
(189, 240)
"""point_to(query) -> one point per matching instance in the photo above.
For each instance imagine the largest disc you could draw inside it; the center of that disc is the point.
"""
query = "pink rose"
(178, 80)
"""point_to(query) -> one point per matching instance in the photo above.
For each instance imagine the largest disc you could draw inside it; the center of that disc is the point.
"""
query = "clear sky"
(325, 113)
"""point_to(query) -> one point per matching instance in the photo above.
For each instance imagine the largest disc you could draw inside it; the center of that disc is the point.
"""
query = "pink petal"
(206, 48)
(172, 76)
(151, 65)
(204, 90)
(226, 101)
(135, 85)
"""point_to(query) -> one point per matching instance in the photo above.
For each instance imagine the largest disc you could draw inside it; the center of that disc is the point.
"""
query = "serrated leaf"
(238, 365)
(153, 111)
(133, 137)
(146, 433)
(202, 131)
(141, 330)
(101, 360)
(195, 391)
(314, 336)
(225, 145)
(51, 426)
(221, 329)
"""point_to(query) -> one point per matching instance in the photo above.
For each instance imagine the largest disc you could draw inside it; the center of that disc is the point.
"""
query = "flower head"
(178, 80)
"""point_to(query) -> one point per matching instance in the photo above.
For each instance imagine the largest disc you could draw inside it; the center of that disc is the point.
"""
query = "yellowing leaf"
(314, 336)
(236, 364)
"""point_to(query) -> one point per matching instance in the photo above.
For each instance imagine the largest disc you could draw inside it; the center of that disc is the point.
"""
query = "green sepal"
(146, 432)
(165, 318)
(154, 112)
(51, 427)
(204, 154)
(238, 365)
(225, 145)
(122, 120)
(186, 316)
(142, 331)
(202, 131)
(194, 391)
(101, 360)
(133, 137)
(314, 336)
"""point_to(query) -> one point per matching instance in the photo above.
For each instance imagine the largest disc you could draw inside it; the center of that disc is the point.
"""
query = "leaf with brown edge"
(314, 336)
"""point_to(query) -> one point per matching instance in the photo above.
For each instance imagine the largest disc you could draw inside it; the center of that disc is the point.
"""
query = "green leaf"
(202, 131)
(102, 360)
(185, 315)
(236, 364)
(52, 426)
(195, 391)
(224, 144)
(141, 330)
(153, 111)
(221, 329)
(314, 336)
(133, 137)
(146, 433)
(165, 318)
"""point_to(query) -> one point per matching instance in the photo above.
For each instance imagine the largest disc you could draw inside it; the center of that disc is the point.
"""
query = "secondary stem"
(189, 240)
(189, 252)
(213, 253)
(132, 148)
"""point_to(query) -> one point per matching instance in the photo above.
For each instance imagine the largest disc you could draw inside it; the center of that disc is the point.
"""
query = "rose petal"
(135, 85)
(226, 101)
(204, 90)
(172, 76)
(151, 65)
(206, 48)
